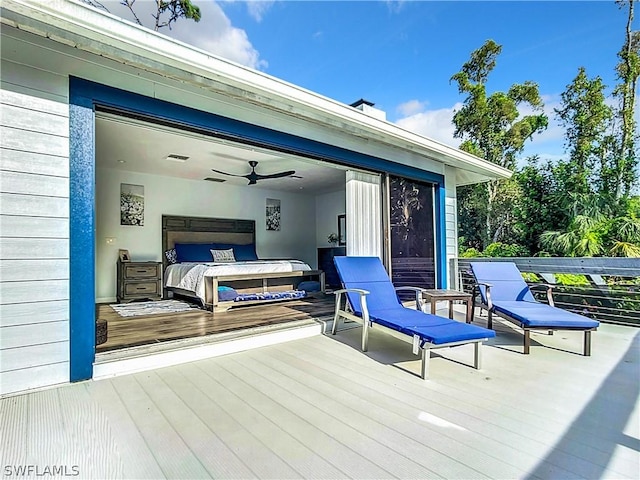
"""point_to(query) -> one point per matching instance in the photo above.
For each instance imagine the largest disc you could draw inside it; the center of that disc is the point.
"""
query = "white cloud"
(411, 107)
(257, 8)
(214, 33)
(435, 124)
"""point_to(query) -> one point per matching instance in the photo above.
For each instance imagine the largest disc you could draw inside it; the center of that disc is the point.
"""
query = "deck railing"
(607, 289)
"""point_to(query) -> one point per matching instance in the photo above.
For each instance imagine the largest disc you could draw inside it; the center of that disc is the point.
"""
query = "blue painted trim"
(441, 236)
(82, 237)
(85, 97)
(213, 124)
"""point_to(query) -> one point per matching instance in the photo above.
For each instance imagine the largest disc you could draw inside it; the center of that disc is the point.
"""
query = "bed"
(236, 276)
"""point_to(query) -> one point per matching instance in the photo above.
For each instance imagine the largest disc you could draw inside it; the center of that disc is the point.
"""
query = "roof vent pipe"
(368, 108)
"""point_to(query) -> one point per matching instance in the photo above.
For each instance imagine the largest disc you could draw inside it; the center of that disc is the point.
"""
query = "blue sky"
(401, 54)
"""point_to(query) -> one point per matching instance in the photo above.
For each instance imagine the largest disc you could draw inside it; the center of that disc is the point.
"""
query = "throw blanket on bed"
(190, 276)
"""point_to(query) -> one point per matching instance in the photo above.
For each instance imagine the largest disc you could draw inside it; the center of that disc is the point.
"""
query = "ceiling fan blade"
(276, 175)
(225, 173)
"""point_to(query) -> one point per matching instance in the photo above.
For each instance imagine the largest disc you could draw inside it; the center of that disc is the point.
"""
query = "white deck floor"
(319, 408)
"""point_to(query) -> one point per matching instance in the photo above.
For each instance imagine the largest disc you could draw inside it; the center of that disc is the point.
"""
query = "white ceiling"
(136, 146)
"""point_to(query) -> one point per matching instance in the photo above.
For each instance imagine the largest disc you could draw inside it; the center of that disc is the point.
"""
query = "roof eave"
(86, 28)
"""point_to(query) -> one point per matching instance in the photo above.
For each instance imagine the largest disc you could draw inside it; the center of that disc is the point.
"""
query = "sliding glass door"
(411, 232)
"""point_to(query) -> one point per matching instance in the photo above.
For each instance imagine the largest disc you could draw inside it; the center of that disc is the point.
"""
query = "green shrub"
(571, 279)
(471, 253)
(499, 249)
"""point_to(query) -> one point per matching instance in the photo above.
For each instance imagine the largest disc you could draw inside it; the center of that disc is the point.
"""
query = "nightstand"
(139, 281)
(325, 262)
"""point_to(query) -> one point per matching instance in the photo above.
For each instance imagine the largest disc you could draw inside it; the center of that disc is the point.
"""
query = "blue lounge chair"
(373, 301)
(504, 292)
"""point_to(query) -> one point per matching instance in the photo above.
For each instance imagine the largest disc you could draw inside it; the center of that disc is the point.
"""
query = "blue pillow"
(201, 252)
(194, 252)
(245, 253)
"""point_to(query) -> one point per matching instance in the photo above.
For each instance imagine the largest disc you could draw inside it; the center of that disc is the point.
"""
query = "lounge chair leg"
(365, 335)
(336, 317)
(587, 343)
(473, 306)
(424, 368)
(477, 356)
(527, 341)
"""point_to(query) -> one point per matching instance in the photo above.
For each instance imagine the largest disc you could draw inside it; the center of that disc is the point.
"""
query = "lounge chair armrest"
(414, 289)
(363, 300)
(549, 291)
(487, 287)
(418, 291)
(354, 290)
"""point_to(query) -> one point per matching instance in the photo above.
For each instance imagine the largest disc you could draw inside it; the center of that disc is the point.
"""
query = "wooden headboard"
(179, 229)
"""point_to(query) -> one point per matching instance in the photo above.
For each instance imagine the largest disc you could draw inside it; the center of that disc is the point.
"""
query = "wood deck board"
(173, 455)
(354, 455)
(401, 424)
(189, 385)
(136, 456)
(376, 443)
(302, 409)
(93, 450)
(14, 417)
(302, 460)
(498, 418)
(213, 454)
(45, 431)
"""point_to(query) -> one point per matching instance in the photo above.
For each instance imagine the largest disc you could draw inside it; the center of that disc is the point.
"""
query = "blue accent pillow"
(193, 252)
(244, 253)
(201, 252)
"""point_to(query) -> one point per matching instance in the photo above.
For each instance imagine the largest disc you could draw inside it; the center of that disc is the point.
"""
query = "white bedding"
(190, 276)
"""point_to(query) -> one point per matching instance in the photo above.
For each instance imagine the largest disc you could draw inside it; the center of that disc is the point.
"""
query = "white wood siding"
(451, 220)
(34, 229)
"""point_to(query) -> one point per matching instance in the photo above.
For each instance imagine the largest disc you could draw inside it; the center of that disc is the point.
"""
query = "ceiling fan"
(253, 177)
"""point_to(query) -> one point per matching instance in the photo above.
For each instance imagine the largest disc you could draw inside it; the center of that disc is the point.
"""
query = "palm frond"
(625, 249)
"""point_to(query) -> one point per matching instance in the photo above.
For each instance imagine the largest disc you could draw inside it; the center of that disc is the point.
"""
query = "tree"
(167, 11)
(538, 208)
(586, 118)
(492, 128)
(623, 173)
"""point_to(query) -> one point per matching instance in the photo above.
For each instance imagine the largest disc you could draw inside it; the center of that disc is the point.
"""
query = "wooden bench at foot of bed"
(261, 283)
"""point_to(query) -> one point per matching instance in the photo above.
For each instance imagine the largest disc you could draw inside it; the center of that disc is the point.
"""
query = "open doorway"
(176, 171)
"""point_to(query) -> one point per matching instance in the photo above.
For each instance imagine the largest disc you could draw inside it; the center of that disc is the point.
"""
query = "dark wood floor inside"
(148, 329)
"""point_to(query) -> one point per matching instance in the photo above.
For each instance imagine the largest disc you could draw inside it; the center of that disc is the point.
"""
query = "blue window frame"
(85, 97)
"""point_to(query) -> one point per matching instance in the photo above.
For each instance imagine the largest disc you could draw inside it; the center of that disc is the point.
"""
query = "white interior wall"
(328, 207)
(173, 196)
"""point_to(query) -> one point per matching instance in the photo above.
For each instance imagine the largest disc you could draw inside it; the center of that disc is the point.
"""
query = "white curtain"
(364, 214)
